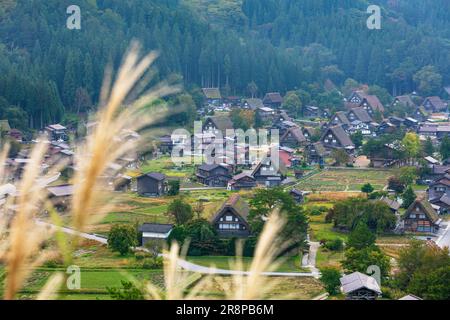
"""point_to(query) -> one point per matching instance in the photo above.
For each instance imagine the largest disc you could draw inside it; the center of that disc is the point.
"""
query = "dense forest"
(48, 71)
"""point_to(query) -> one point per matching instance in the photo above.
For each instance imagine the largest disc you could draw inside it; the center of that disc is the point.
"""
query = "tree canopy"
(244, 47)
(347, 214)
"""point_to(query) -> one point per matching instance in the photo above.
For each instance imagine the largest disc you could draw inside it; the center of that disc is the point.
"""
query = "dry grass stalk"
(3, 156)
(20, 250)
(51, 287)
(250, 285)
(178, 285)
(253, 285)
(103, 146)
(21, 241)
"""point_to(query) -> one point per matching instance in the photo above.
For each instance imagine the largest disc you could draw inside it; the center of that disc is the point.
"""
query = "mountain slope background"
(48, 71)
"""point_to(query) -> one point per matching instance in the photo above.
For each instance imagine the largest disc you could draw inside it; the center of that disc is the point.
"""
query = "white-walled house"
(155, 231)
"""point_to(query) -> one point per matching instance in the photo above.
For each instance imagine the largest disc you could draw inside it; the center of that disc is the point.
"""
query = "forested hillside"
(48, 71)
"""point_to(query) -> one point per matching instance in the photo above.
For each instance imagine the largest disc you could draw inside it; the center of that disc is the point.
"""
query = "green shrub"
(330, 279)
(53, 263)
(334, 245)
(317, 210)
(140, 256)
(153, 263)
(378, 195)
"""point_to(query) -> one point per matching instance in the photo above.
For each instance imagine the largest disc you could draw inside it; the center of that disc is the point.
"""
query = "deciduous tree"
(330, 278)
(408, 197)
(181, 211)
(122, 238)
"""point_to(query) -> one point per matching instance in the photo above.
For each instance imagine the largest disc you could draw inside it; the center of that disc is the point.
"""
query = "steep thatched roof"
(238, 205)
(212, 93)
(341, 135)
(222, 123)
(361, 114)
(426, 208)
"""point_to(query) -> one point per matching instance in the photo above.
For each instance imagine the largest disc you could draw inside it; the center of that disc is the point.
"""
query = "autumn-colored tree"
(412, 146)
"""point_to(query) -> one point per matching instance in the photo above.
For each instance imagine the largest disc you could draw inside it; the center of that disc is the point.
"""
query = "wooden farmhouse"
(359, 286)
(218, 125)
(293, 138)
(273, 100)
(57, 132)
(242, 181)
(420, 217)
(152, 185)
(212, 96)
(154, 231)
(268, 173)
(299, 196)
(213, 175)
(336, 138)
(60, 196)
(370, 103)
(316, 153)
(231, 219)
(434, 104)
(404, 100)
(252, 104)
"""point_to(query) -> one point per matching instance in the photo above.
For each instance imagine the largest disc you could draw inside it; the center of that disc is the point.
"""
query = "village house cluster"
(309, 141)
(312, 140)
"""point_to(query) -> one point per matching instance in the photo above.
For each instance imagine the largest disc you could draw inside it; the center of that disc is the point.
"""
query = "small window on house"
(229, 218)
(412, 215)
(422, 216)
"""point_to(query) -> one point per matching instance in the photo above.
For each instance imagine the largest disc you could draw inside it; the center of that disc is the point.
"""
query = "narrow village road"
(189, 266)
(83, 235)
(202, 188)
(312, 256)
(444, 238)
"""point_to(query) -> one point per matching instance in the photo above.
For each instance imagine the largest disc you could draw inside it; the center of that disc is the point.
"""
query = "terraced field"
(345, 180)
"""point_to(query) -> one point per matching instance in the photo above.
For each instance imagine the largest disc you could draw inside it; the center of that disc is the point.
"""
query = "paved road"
(392, 244)
(443, 239)
(203, 188)
(83, 235)
(188, 265)
(313, 247)
(323, 296)
(309, 261)
(206, 270)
